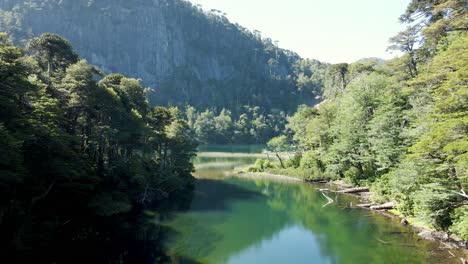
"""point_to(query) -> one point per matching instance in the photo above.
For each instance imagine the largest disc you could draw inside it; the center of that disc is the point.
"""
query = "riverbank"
(447, 241)
(266, 175)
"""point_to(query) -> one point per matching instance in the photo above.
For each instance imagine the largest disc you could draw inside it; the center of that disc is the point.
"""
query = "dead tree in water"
(330, 200)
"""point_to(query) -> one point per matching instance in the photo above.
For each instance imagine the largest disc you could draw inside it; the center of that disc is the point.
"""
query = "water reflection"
(234, 220)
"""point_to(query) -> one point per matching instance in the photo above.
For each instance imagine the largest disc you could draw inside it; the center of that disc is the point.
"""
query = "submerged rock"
(426, 234)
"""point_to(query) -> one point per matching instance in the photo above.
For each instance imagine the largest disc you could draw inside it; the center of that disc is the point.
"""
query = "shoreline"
(266, 175)
(447, 241)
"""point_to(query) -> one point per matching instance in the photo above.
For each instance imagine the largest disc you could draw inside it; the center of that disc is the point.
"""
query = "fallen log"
(385, 206)
(355, 190)
(366, 205)
(316, 181)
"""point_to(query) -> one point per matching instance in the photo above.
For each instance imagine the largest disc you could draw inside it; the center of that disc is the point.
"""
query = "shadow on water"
(216, 195)
(191, 233)
(183, 260)
(237, 220)
(189, 241)
(211, 195)
(218, 224)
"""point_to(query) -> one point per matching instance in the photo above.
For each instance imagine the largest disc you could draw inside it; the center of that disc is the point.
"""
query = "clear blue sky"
(329, 30)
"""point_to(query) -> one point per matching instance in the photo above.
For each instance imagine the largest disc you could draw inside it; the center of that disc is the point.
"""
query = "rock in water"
(404, 222)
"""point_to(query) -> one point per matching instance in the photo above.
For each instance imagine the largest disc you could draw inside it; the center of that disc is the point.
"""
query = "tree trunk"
(280, 160)
(355, 190)
(368, 205)
(384, 206)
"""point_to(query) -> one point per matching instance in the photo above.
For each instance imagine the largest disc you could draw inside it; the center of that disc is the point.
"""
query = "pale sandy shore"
(266, 176)
(230, 155)
(263, 155)
(207, 165)
(249, 175)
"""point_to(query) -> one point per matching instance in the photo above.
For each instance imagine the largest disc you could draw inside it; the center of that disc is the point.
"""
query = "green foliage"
(310, 76)
(432, 204)
(439, 18)
(197, 67)
(460, 221)
(298, 122)
(260, 165)
(400, 126)
(52, 52)
(278, 144)
(336, 80)
(406, 41)
(310, 160)
(81, 156)
(294, 161)
(252, 126)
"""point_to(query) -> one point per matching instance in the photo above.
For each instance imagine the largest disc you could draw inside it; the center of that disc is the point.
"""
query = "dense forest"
(184, 53)
(82, 157)
(92, 162)
(400, 126)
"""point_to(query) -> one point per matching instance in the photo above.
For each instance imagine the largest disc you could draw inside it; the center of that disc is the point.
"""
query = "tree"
(336, 80)
(442, 149)
(350, 153)
(387, 128)
(407, 41)
(299, 121)
(400, 125)
(438, 19)
(204, 127)
(52, 52)
(277, 145)
(81, 158)
(224, 126)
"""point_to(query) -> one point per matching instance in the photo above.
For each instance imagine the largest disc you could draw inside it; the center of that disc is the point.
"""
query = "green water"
(242, 221)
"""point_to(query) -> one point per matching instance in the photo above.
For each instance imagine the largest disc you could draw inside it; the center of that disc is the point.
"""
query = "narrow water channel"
(241, 221)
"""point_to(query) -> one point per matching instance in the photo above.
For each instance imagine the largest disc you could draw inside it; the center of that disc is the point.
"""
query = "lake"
(235, 220)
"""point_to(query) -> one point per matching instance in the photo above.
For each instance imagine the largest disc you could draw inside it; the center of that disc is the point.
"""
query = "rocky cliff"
(189, 56)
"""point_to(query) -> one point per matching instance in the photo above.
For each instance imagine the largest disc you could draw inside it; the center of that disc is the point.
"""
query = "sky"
(328, 30)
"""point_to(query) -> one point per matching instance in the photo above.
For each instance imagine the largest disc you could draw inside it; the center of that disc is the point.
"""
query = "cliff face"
(186, 54)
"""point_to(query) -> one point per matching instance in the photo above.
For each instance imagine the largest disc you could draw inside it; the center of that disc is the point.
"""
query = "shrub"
(352, 174)
(432, 204)
(296, 160)
(460, 221)
(309, 160)
(260, 166)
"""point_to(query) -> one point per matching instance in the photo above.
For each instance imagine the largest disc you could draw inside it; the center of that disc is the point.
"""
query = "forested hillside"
(187, 55)
(82, 155)
(103, 104)
(400, 126)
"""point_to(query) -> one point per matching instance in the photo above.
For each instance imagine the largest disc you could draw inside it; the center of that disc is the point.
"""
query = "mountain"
(187, 55)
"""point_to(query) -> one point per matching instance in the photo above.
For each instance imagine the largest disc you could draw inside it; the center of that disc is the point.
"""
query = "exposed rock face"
(190, 56)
